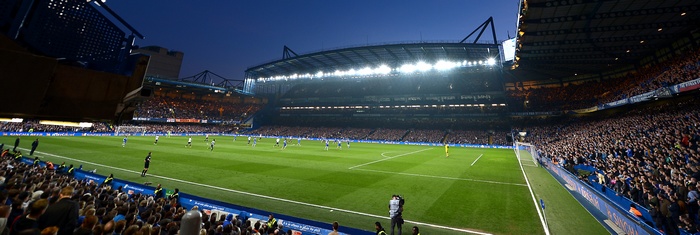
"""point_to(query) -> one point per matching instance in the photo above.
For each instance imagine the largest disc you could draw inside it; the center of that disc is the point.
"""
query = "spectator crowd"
(49, 201)
(403, 135)
(650, 155)
(183, 108)
(674, 71)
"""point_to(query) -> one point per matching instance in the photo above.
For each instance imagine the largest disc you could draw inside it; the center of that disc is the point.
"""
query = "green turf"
(490, 196)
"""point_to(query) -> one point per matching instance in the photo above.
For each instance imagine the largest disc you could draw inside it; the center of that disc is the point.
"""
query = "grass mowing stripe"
(264, 196)
(442, 177)
(534, 200)
(308, 174)
(477, 159)
(380, 160)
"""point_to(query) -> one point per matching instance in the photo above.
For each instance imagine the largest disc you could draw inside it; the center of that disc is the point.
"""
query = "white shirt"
(189, 140)
(393, 207)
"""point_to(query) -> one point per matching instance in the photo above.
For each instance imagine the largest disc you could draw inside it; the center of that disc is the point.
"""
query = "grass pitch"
(487, 195)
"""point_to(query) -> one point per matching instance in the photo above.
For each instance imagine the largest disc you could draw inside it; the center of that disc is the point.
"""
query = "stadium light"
(491, 61)
(365, 71)
(408, 68)
(382, 69)
(11, 120)
(444, 65)
(422, 66)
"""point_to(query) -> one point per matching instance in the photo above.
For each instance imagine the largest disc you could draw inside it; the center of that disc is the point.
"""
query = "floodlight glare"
(422, 66)
(444, 65)
(491, 61)
(382, 69)
(408, 68)
(365, 71)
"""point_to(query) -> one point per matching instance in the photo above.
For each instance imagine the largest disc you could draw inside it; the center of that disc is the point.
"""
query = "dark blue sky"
(228, 36)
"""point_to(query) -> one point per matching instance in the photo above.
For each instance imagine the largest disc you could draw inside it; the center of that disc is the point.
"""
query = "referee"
(146, 162)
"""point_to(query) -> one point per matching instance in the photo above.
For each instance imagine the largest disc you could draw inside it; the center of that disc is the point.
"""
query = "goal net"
(526, 153)
(130, 130)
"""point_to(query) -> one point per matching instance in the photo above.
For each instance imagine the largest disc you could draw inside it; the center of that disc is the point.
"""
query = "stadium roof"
(358, 57)
(560, 38)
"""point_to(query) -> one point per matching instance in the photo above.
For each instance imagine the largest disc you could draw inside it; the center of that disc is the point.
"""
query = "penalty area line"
(261, 196)
(388, 158)
(477, 159)
(443, 177)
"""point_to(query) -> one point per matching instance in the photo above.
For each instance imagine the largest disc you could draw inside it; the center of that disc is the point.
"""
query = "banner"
(299, 226)
(586, 110)
(617, 215)
(686, 86)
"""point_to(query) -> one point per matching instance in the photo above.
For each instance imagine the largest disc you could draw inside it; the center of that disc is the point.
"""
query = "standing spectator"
(16, 145)
(4, 219)
(34, 145)
(29, 221)
(335, 228)
(692, 202)
(63, 213)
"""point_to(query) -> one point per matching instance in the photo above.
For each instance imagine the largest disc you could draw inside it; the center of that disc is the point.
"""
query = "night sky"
(228, 36)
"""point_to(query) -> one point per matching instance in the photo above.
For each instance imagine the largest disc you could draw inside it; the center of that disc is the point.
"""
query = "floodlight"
(444, 65)
(382, 69)
(11, 119)
(491, 61)
(351, 72)
(408, 68)
(422, 66)
(365, 71)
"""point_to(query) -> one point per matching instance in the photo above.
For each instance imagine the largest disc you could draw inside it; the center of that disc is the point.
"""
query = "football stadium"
(583, 122)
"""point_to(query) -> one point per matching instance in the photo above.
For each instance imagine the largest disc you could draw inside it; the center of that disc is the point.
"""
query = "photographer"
(395, 210)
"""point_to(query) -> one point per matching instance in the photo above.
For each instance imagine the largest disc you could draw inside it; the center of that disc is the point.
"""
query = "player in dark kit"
(146, 162)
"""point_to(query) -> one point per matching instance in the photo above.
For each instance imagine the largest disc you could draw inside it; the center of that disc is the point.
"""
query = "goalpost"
(526, 152)
(130, 130)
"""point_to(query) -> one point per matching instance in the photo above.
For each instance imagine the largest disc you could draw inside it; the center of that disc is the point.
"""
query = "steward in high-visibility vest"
(158, 192)
(70, 169)
(271, 224)
(18, 156)
(36, 161)
(108, 180)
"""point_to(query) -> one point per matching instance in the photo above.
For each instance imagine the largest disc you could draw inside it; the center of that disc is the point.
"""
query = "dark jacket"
(63, 214)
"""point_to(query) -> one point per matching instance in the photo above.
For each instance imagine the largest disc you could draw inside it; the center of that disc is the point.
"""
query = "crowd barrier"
(298, 226)
(618, 215)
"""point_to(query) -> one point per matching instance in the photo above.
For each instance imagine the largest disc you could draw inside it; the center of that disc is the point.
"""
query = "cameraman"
(395, 209)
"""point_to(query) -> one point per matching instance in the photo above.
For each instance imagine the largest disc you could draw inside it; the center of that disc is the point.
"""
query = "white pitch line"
(266, 197)
(380, 160)
(477, 159)
(442, 177)
(534, 200)
(385, 155)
